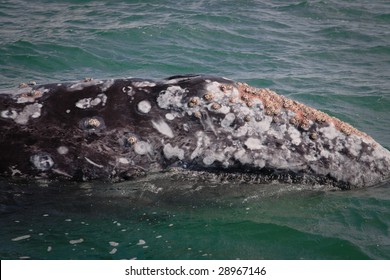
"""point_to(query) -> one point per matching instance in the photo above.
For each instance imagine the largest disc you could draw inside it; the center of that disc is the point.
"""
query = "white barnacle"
(144, 106)
(42, 161)
(243, 157)
(171, 152)
(84, 103)
(215, 89)
(32, 110)
(202, 142)
(170, 116)
(129, 90)
(171, 97)
(264, 125)
(162, 127)
(253, 143)
(144, 84)
(211, 157)
(353, 144)
(228, 120)
(224, 109)
(83, 84)
(103, 98)
(62, 150)
(9, 114)
(330, 132)
(142, 148)
(123, 160)
(295, 135)
(95, 102)
(107, 84)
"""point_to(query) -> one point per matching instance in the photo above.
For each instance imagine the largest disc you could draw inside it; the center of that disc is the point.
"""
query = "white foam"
(19, 238)
(113, 251)
(141, 242)
(76, 241)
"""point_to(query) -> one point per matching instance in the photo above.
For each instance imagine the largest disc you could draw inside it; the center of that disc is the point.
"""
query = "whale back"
(123, 128)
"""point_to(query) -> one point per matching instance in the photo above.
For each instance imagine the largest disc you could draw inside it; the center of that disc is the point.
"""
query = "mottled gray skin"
(124, 128)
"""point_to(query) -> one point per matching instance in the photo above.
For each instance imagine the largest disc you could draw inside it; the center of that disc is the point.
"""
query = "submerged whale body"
(123, 128)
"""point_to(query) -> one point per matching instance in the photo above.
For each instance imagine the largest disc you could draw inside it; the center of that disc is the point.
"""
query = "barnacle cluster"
(304, 115)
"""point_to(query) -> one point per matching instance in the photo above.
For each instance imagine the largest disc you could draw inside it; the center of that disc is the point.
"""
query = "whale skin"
(119, 129)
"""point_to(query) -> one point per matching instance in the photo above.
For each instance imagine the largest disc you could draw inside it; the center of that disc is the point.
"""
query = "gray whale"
(119, 129)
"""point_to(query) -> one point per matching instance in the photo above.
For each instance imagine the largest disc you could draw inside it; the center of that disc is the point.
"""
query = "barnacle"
(216, 106)
(208, 96)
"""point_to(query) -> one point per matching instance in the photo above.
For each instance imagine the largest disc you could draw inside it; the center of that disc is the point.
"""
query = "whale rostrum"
(118, 129)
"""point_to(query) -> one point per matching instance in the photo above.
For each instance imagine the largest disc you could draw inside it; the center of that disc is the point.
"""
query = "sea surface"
(332, 55)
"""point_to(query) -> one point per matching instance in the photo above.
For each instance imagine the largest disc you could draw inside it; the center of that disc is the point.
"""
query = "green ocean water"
(332, 55)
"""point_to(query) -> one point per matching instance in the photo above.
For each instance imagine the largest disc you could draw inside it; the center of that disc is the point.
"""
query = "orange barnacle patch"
(274, 103)
(305, 124)
(294, 120)
(245, 97)
(346, 129)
